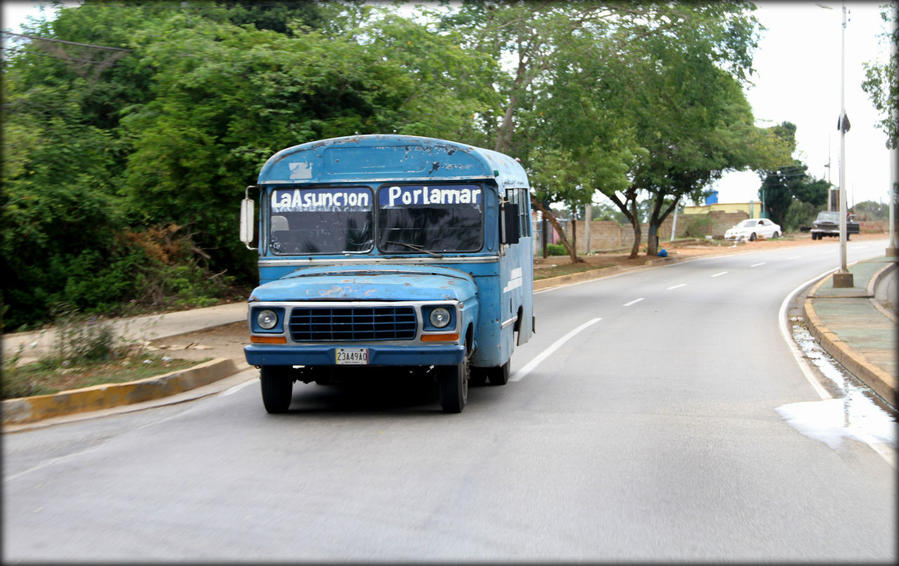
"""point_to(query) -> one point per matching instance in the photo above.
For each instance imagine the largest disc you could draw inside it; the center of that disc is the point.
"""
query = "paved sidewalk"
(192, 383)
(858, 325)
(137, 328)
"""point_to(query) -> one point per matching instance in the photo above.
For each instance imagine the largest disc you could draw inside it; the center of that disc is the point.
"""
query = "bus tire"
(499, 375)
(277, 388)
(453, 386)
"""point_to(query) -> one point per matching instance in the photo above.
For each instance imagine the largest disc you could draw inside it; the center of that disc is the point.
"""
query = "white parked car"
(753, 229)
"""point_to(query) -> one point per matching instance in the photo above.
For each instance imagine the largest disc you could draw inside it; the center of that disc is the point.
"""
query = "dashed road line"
(719, 274)
(676, 287)
(759, 264)
(634, 302)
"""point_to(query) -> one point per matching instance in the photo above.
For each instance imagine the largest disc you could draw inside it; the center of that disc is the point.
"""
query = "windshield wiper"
(414, 247)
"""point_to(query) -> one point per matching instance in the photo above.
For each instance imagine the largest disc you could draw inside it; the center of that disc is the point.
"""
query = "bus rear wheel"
(453, 386)
(277, 388)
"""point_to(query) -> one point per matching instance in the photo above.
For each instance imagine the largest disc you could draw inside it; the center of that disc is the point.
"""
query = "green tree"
(882, 80)
(656, 105)
(127, 121)
(783, 186)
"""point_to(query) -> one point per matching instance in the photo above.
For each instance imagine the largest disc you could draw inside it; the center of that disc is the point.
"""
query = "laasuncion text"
(320, 201)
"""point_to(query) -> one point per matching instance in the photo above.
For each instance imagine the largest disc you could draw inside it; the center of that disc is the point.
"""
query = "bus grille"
(352, 324)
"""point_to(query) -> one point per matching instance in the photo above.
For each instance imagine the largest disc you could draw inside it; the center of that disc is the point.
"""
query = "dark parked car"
(828, 224)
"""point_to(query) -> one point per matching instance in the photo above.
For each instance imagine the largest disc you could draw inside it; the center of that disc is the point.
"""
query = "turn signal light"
(268, 339)
(454, 337)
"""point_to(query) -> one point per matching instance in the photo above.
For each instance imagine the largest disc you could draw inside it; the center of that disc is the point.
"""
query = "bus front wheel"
(453, 384)
(277, 388)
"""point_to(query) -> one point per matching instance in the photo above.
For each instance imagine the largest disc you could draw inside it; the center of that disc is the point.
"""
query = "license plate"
(351, 356)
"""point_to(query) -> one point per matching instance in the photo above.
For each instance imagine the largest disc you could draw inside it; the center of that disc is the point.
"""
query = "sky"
(797, 79)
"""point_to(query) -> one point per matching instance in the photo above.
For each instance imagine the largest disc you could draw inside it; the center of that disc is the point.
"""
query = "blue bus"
(388, 251)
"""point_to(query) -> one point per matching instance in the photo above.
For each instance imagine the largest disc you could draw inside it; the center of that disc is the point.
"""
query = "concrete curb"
(601, 272)
(98, 397)
(877, 379)
(872, 290)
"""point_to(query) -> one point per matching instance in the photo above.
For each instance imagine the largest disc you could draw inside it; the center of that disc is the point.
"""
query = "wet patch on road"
(854, 412)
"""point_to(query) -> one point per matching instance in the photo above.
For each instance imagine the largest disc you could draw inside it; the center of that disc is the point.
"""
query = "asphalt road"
(640, 424)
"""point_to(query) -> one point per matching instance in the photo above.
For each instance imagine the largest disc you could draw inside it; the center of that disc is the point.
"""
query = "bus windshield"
(410, 219)
(321, 221)
(430, 218)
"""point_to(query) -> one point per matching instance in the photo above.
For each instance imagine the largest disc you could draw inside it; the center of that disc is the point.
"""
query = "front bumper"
(378, 355)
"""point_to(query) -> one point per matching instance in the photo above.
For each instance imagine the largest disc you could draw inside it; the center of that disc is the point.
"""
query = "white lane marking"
(883, 451)
(676, 287)
(634, 302)
(759, 264)
(719, 274)
(794, 257)
(520, 374)
(788, 338)
(238, 387)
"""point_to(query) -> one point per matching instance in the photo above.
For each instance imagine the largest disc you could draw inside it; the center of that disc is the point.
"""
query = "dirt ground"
(228, 341)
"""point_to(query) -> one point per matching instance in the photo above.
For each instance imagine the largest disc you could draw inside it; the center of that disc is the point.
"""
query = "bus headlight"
(440, 317)
(267, 319)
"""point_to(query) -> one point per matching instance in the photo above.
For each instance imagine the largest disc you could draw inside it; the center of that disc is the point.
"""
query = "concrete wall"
(713, 223)
(873, 226)
(754, 208)
(607, 235)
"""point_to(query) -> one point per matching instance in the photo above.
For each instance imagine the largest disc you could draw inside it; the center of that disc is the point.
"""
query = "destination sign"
(423, 195)
(321, 200)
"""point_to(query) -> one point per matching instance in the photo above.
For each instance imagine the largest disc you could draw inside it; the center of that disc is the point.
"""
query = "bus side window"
(524, 208)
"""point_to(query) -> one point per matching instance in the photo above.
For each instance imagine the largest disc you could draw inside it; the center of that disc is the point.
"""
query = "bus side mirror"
(247, 219)
(510, 223)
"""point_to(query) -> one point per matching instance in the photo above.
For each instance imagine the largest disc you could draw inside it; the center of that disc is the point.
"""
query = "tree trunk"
(558, 227)
(655, 222)
(638, 234)
(574, 239)
(631, 214)
(652, 240)
(545, 235)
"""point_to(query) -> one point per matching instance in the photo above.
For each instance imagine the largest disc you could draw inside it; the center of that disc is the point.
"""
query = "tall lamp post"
(843, 277)
(893, 249)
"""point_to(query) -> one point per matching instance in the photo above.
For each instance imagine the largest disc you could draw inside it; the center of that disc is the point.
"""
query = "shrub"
(799, 214)
(84, 338)
(699, 226)
(556, 249)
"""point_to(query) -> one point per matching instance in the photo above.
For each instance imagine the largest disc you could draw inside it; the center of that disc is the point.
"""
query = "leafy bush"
(83, 338)
(799, 214)
(699, 226)
(556, 249)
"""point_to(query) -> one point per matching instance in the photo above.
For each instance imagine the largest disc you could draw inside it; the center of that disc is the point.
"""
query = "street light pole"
(843, 278)
(893, 249)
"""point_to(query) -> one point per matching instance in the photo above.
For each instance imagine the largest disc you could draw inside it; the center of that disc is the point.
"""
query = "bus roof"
(386, 157)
